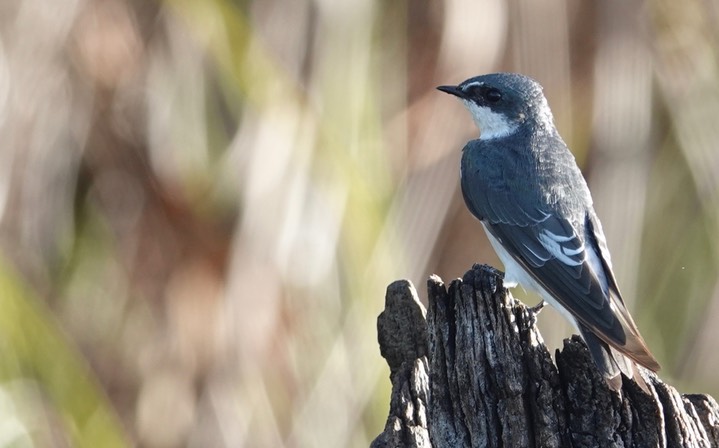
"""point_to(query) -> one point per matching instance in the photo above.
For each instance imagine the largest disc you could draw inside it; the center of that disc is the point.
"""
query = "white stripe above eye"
(472, 84)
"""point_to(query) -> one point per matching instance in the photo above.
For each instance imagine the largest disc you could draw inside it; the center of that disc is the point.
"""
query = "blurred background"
(202, 203)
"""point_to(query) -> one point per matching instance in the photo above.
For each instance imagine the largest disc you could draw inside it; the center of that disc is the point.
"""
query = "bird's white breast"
(515, 274)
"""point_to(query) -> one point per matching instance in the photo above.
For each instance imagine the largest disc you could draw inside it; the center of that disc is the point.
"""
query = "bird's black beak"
(452, 90)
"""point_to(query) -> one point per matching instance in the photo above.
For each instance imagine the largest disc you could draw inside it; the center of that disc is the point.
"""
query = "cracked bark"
(473, 372)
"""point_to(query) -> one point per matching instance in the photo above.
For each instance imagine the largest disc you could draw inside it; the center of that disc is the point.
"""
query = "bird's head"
(501, 103)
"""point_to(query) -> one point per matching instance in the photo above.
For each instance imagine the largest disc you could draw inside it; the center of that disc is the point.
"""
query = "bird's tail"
(610, 362)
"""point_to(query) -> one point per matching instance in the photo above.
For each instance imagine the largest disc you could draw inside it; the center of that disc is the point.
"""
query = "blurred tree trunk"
(475, 372)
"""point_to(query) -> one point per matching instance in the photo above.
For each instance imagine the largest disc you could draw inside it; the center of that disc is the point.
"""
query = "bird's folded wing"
(560, 261)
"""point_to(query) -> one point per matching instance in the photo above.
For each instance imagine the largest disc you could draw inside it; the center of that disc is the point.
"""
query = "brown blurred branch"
(475, 372)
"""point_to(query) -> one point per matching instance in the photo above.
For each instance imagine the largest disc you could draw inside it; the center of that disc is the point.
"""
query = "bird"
(522, 182)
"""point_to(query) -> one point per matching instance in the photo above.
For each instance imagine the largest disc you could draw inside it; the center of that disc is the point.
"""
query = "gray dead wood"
(473, 372)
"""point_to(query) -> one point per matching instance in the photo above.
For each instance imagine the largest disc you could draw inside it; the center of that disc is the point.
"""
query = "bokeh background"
(202, 202)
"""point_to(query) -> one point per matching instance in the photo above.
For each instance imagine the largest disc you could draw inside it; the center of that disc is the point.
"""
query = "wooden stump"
(473, 371)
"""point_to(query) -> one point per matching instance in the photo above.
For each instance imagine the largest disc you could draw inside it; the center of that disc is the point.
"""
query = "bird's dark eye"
(493, 95)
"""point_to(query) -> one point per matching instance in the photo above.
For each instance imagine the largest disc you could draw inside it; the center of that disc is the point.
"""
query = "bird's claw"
(533, 312)
(536, 309)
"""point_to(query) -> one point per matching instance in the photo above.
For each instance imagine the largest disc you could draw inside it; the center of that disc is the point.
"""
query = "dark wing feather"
(574, 285)
(548, 227)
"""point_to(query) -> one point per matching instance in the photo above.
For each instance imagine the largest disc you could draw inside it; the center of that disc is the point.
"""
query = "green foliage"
(35, 349)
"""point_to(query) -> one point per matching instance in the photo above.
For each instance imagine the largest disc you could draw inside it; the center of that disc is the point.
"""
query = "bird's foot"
(536, 309)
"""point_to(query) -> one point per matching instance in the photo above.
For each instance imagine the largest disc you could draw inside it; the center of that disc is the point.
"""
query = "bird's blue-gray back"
(533, 193)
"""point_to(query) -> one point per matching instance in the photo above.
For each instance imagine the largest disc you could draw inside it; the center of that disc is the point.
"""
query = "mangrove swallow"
(523, 184)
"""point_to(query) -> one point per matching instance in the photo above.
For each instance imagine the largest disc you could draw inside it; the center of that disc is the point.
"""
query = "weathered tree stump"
(474, 372)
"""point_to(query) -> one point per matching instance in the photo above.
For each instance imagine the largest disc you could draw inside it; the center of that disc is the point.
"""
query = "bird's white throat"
(491, 124)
